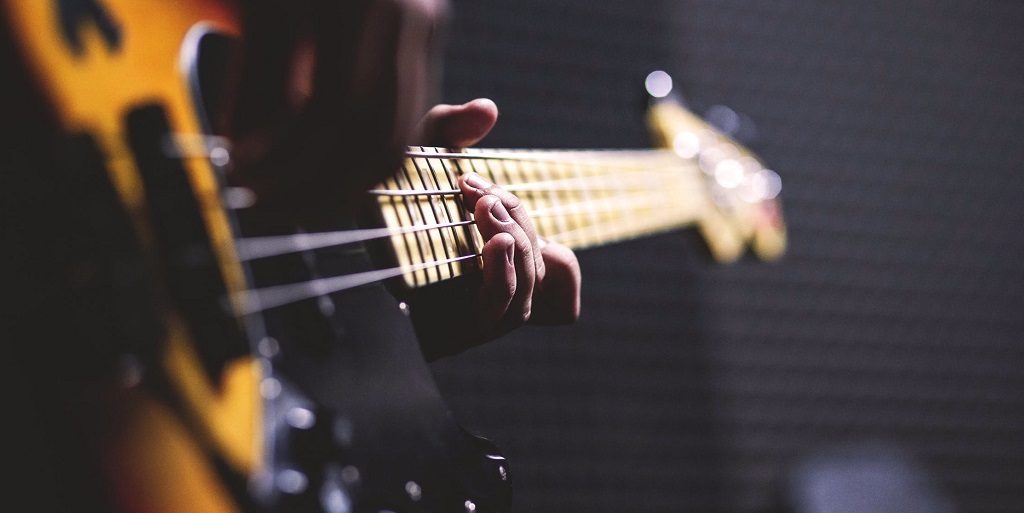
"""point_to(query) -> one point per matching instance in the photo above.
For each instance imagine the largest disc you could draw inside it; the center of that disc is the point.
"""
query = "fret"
(428, 238)
(608, 202)
(536, 172)
(586, 197)
(498, 171)
(468, 236)
(530, 172)
(459, 236)
(429, 179)
(403, 206)
(575, 220)
(580, 199)
(478, 239)
(600, 214)
(423, 243)
(411, 240)
(616, 213)
(452, 207)
(560, 224)
(393, 214)
(626, 215)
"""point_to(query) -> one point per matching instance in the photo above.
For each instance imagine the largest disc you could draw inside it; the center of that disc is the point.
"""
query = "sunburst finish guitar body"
(160, 368)
(116, 78)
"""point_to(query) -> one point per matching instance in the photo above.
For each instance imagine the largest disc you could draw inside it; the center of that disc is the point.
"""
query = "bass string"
(593, 176)
(256, 300)
(260, 299)
(218, 150)
(638, 202)
(603, 220)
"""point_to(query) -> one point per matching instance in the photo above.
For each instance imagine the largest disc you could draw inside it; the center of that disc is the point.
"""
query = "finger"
(499, 285)
(457, 126)
(474, 187)
(556, 299)
(492, 219)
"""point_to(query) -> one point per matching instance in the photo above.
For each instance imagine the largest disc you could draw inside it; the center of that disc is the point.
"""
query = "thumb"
(456, 126)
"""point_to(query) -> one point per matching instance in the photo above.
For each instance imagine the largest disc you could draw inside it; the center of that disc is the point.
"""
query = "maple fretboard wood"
(577, 198)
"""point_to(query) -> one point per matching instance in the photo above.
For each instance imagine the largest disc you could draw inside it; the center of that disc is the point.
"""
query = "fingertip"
(457, 126)
(470, 195)
(475, 181)
(478, 118)
(500, 252)
(507, 242)
(484, 203)
(465, 125)
(485, 108)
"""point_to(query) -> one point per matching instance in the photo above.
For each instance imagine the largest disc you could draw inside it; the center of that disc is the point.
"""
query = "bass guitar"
(163, 350)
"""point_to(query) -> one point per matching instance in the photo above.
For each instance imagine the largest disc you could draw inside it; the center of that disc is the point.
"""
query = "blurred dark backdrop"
(893, 328)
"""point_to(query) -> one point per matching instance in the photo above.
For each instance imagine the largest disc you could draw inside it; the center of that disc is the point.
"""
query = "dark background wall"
(892, 331)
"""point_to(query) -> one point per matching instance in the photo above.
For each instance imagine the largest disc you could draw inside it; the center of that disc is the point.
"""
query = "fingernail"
(499, 212)
(477, 182)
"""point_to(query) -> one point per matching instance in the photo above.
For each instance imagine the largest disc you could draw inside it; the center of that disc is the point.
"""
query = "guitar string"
(183, 145)
(261, 247)
(259, 299)
(270, 297)
(443, 207)
(595, 183)
(629, 159)
(526, 187)
(252, 248)
(264, 298)
(418, 216)
(256, 300)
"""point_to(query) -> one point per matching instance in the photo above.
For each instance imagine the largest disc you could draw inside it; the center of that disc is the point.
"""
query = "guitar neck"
(577, 198)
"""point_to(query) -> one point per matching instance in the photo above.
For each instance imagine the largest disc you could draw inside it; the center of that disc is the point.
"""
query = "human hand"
(525, 278)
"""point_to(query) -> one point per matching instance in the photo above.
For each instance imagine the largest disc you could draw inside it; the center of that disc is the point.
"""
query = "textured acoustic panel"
(895, 322)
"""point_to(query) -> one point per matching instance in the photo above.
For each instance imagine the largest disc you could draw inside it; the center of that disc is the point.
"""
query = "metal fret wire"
(437, 185)
(423, 242)
(594, 228)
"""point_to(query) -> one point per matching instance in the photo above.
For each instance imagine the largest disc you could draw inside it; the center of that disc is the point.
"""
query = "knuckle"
(484, 205)
(511, 201)
(526, 250)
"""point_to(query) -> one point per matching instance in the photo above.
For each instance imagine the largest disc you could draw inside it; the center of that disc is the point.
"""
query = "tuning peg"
(742, 194)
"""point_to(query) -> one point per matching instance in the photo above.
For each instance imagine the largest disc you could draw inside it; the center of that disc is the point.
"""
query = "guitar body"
(164, 419)
(139, 385)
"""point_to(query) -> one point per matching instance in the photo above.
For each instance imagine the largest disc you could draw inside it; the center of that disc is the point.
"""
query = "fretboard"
(577, 198)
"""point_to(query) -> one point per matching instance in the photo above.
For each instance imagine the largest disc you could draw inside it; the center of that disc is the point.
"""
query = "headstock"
(744, 208)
